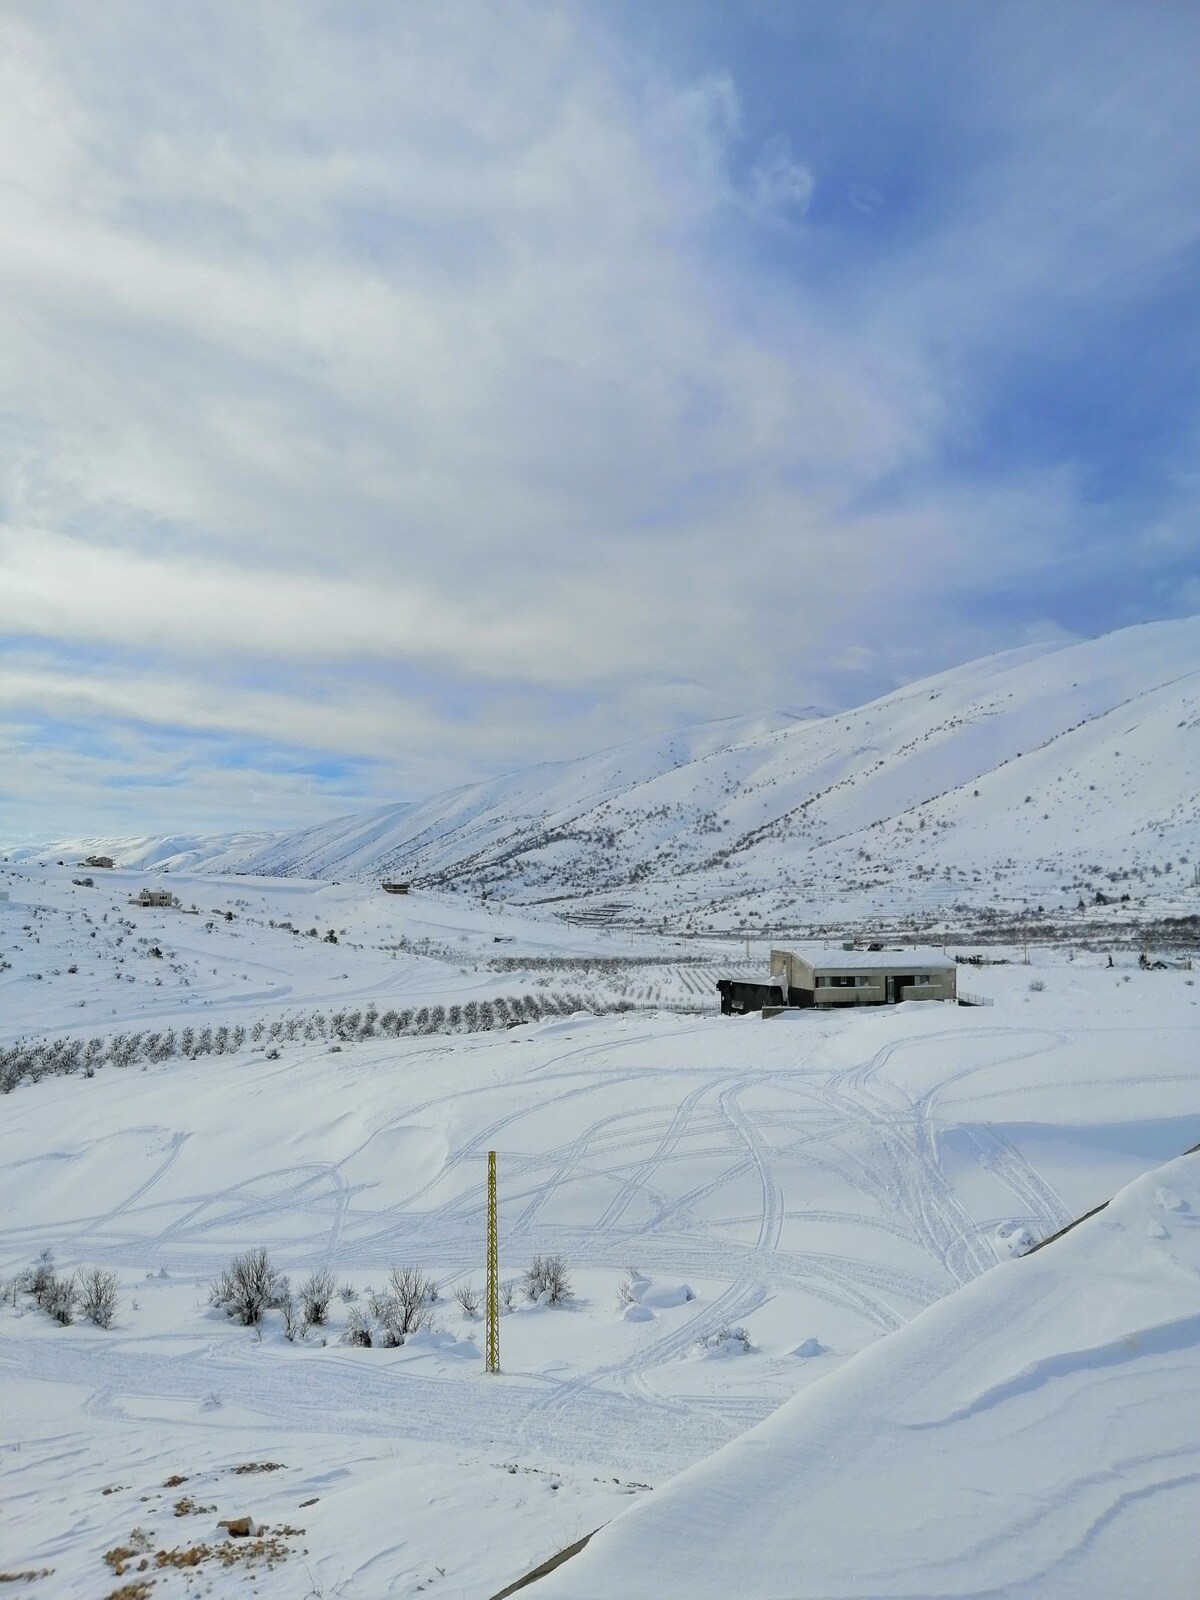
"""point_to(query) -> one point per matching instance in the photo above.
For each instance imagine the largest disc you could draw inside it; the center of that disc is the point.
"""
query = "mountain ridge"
(1039, 775)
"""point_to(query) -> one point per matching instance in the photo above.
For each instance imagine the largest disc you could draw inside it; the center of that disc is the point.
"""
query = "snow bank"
(1031, 1435)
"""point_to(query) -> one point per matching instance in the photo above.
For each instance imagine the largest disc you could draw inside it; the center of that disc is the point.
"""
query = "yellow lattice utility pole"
(493, 1275)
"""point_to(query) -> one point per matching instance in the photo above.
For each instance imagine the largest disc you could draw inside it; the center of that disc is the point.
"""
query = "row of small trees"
(88, 1292)
(36, 1059)
(251, 1286)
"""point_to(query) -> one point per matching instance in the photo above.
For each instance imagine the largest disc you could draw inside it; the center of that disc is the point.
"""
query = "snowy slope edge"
(1030, 1435)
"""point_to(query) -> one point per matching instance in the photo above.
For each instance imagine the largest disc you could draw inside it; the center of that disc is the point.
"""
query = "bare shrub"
(248, 1287)
(469, 1299)
(315, 1294)
(547, 1275)
(294, 1324)
(348, 1293)
(358, 1329)
(97, 1288)
(42, 1277)
(59, 1299)
(410, 1294)
(1036, 985)
(508, 1291)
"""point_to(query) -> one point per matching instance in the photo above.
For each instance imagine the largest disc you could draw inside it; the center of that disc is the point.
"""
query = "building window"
(836, 983)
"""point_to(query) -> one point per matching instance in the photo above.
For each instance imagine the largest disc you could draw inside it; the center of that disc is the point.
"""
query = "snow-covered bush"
(358, 1329)
(547, 1276)
(41, 1277)
(97, 1288)
(315, 1294)
(249, 1286)
(725, 1341)
(1036, 985)
(59, 1298)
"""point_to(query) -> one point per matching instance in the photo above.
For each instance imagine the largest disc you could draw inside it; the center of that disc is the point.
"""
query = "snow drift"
(1030, 1435)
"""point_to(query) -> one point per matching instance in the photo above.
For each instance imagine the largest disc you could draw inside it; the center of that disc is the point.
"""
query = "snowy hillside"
(1031, 1435)
(177, 852)
(1039, 777)
(489, 821)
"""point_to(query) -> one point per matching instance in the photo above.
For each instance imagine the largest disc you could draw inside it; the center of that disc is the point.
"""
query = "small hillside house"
(820, 976)
(154, 897)
(395, 888)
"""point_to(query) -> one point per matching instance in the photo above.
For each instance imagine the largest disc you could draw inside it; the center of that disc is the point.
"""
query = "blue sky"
(391, 395)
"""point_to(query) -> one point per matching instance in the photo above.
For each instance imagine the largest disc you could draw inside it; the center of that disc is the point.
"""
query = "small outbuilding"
(821, 976)
(395, 888)
(98, 861)
(738, 995)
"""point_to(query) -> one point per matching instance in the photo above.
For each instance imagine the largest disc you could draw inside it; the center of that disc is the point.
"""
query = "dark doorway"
(895, 986)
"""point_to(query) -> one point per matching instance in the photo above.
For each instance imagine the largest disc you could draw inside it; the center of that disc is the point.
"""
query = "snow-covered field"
(816, 1182)
(81, 959)
(1033, 1434)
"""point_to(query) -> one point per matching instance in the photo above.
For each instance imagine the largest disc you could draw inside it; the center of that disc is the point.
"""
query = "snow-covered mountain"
(1042, 775)
(176, 851)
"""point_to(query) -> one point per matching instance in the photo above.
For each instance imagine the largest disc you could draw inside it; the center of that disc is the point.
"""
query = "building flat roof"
(832, 958)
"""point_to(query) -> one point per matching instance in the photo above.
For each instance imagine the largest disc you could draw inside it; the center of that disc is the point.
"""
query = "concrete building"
(739, 995)
(154, 897)
(821, 976)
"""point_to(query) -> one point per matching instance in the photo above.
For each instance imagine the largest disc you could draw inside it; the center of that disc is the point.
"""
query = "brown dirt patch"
(187, 1507)
(121, 1556)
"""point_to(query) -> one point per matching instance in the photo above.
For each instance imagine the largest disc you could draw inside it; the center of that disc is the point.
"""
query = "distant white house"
(154, 897)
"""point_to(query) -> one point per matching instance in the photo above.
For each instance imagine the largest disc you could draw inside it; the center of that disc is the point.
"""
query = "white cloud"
(780, 187)
(416, 358)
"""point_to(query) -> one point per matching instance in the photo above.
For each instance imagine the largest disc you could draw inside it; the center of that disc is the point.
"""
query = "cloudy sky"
(392, 394)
